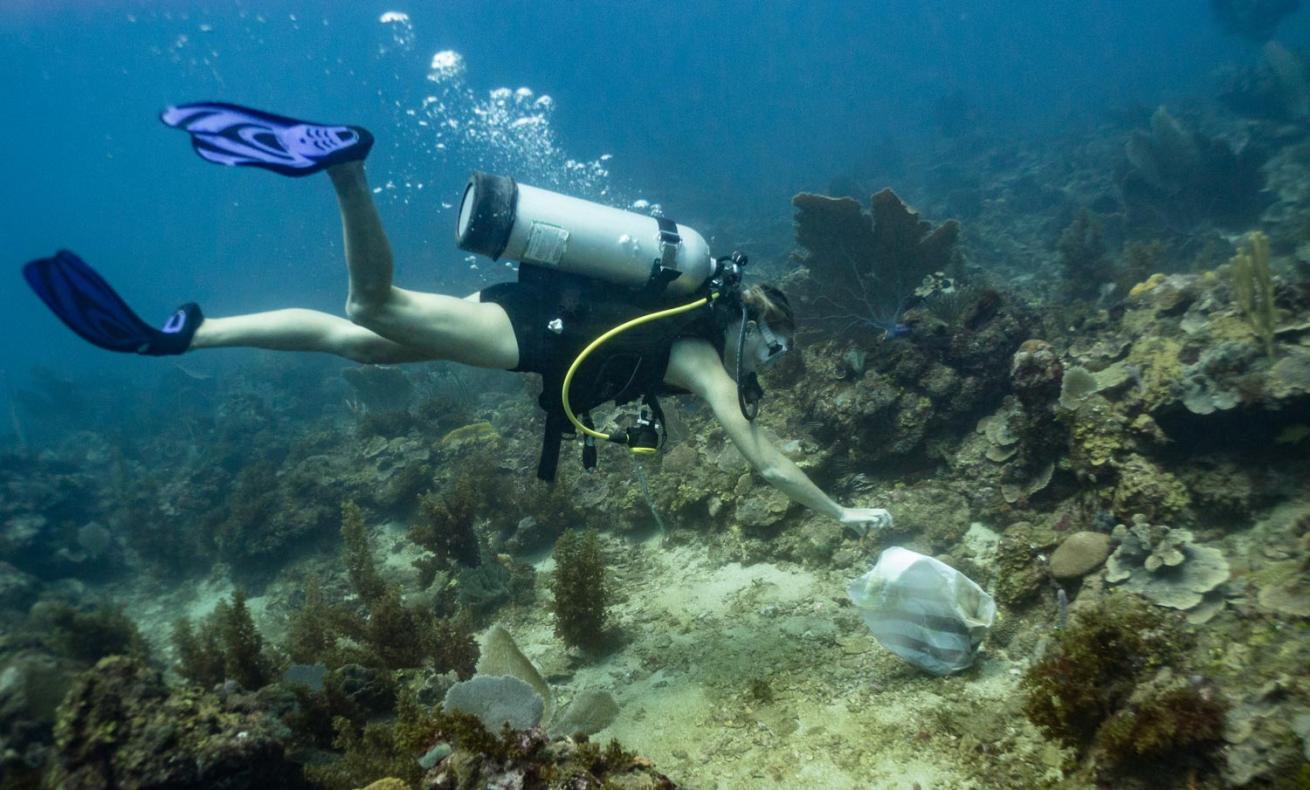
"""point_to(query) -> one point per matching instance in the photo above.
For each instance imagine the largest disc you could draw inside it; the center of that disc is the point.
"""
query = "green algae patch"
(470, 437)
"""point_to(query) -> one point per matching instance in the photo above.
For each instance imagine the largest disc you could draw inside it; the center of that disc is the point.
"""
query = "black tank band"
(490, 217)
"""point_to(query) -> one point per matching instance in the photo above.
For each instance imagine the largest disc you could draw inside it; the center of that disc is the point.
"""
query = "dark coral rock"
(932, 512)
(1019, 569)
(31, 686)
(91, 635)
(121, 727)
(1035, 374)
(1164, 718)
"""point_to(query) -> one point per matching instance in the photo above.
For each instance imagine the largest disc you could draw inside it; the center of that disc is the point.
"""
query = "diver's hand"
(862, 519)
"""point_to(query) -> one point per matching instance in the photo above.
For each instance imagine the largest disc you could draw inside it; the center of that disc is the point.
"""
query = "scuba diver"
(610, 305)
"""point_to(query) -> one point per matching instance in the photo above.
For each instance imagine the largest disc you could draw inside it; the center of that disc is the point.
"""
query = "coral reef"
(120, 726)
(1117, 341)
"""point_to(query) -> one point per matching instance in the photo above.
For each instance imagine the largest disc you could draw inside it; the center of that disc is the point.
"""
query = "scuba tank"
(662, 261)
(499, 217)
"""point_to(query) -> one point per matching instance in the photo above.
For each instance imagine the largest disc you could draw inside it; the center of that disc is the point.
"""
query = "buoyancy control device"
(666, 265)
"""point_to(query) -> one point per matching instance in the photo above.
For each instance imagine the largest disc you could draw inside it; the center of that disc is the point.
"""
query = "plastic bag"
(923, 610)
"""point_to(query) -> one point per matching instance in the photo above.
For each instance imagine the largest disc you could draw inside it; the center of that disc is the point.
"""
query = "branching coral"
(309, 631)
(864, 266)
(199, 656)
(244, 658)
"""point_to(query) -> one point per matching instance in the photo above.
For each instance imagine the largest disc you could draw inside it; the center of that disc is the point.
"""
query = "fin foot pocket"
(229, 134)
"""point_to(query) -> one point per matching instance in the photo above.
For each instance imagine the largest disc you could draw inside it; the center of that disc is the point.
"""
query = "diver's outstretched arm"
(445, 327)
(695, 366)
(296, 329)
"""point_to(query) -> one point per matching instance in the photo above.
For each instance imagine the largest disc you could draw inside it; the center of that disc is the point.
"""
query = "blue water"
(711, 110)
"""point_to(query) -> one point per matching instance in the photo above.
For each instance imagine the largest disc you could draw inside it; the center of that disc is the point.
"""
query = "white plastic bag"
(923, 610)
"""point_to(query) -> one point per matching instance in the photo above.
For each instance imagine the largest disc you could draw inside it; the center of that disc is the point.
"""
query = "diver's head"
(770, 328)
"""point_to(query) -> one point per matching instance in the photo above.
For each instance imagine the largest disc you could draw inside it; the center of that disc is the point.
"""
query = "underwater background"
(1069, 352)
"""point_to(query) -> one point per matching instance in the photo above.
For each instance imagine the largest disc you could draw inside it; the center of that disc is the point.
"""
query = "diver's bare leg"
(445, 327)
(303, 330)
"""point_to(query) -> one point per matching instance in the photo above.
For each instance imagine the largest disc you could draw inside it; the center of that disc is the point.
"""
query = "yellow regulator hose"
(577, 363)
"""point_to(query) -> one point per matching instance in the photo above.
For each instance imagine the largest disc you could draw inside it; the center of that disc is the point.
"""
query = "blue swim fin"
(230, 134)
(90, 307)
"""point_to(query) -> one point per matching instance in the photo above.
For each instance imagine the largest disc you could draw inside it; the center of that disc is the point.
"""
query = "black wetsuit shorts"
(526, 310)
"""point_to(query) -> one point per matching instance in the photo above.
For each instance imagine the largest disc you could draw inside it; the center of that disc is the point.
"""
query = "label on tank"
(546, 244)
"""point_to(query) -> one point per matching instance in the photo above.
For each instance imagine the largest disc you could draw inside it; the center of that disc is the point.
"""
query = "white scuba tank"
(500, 218)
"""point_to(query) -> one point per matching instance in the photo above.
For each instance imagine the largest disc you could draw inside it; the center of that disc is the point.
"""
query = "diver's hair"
(769, 304)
